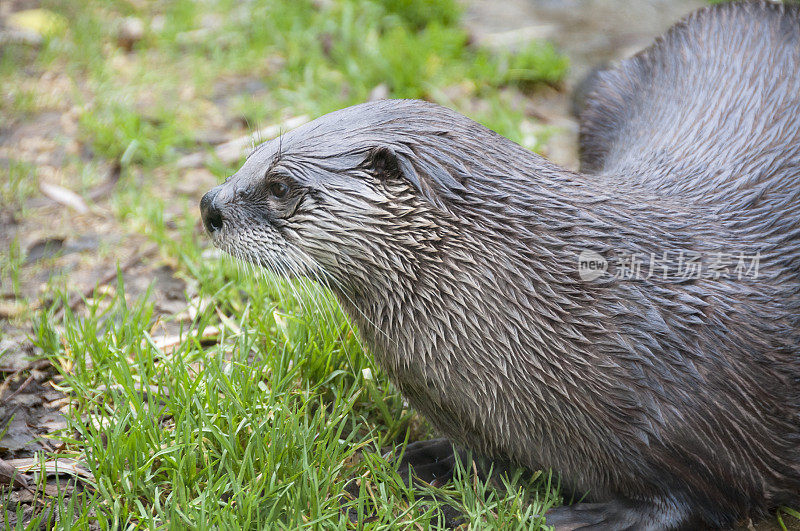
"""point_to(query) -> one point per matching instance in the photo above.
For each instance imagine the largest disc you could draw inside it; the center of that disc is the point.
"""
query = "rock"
(131, 31)
(380, 92)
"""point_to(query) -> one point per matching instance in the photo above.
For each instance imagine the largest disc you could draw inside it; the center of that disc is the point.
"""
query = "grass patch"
(266, 426)
(305, 58)
(20, 184)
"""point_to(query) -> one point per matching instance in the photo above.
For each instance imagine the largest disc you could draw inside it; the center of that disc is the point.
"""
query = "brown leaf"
(9, 475)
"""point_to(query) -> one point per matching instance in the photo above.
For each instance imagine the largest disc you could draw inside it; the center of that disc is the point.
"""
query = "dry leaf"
(39, 21)
(10, 475)
(51, 466)
(66, 197)
(169, 343)
(152, 390)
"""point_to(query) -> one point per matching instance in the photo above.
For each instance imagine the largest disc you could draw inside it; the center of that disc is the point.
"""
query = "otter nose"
(212, 216)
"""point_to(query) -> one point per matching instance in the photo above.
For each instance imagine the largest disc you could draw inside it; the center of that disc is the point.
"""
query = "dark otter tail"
(709, 112)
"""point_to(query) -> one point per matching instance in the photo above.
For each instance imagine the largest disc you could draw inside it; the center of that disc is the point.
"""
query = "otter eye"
(278, 190)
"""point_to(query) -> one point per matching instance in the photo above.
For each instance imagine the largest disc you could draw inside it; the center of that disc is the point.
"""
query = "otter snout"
(210, 211)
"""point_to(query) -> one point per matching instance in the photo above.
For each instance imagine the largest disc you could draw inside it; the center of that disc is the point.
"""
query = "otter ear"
(430, 181)
(383, 161)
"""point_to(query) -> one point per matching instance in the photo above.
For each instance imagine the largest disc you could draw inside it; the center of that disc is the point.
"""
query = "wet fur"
(455, 251)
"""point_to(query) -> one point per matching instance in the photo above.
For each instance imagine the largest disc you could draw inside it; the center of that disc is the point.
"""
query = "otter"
(498, 290)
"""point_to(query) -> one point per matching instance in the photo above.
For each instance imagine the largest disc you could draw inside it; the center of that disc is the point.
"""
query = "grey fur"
(455, 252)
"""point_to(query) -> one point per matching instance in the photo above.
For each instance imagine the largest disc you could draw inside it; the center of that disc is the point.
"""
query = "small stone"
(158, 23)
(380, 92)
(131, 31)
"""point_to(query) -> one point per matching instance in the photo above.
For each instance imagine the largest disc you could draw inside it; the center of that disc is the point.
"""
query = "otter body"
(670, 399)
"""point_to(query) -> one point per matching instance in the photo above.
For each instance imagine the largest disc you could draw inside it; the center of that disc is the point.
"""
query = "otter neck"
(496, 246)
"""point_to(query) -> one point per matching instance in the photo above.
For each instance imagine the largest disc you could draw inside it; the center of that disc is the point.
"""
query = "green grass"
(262, 424)
(265, 426)
(309, 60)
(16, 187)
(20, 183)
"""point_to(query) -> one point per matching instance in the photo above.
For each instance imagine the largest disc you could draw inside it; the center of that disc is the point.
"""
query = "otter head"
(353, 199)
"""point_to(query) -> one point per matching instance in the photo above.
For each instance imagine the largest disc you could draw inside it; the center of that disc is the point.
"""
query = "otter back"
(710, 110)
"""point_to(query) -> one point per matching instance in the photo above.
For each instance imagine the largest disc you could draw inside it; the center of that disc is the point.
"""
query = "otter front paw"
(618, 515)
(431, 461)
(580, 516)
